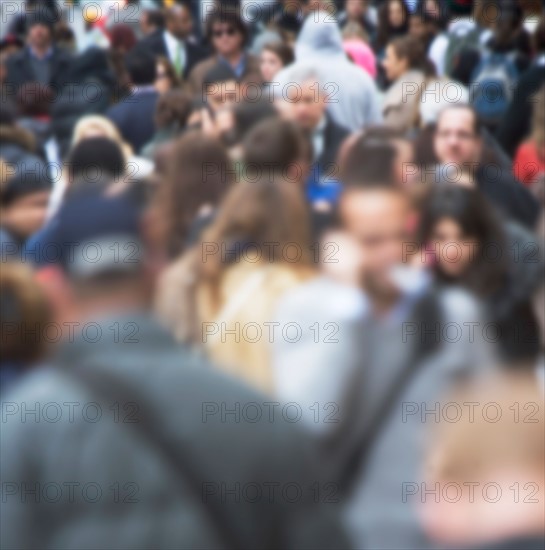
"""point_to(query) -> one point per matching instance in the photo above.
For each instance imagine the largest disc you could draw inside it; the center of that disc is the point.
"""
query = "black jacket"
(334, 135)
(516, 123)
(508, 195)
(20, 71)
(133, 115)
(155, 43)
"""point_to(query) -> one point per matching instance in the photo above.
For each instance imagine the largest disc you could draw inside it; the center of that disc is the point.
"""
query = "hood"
(319, 36)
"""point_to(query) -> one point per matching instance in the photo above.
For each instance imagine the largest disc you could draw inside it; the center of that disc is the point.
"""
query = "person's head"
(379, 155)
(34, 99)
(122, 38)
(94, 159)
(141, 68)
(274, 56)
(151, 21)
(487, 465)
(458, 226)
(403, 54)
(393, 19)
(23, 202)
(258, 214)
(39, 34)
(221, 87)
(417, 26)
(227, 33)
(103, 265)
(25, 315)
(397, 13)
(93, 126)
(278, 147)
(179, 21)
(508, 22)
(173, 109)
(356, 9)
(377, 217)
(198, 174)
(304, 99)
(166, 77)
(457, 137)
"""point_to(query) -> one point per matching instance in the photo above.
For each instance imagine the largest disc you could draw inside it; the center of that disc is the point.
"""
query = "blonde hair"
(106, 127)
(506, 431)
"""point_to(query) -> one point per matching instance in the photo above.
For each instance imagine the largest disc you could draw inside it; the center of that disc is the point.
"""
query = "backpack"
(458, 42)
(492, 85)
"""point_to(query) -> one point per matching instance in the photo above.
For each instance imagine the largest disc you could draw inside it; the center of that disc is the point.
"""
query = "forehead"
(374, 208)
(456, 118)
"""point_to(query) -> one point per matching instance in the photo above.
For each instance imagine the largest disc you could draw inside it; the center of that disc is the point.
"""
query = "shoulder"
(17, 58)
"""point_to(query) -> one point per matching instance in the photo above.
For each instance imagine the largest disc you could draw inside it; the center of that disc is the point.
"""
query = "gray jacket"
(100, 480)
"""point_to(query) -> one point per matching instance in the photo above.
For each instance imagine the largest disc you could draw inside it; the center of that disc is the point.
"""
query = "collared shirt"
(41, 66)
(142, 89)
(318, 138)
(239, 68)
(176, 51)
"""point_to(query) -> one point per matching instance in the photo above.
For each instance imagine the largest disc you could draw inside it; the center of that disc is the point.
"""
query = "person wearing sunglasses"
(228, 35)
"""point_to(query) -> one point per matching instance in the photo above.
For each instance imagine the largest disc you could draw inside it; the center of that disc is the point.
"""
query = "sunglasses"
(229, 31)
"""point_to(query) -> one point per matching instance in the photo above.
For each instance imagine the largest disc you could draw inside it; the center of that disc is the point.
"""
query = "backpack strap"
(109, 388)
(426, 314)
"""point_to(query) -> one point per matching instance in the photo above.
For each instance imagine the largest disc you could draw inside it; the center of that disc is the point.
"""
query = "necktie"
(178, 60)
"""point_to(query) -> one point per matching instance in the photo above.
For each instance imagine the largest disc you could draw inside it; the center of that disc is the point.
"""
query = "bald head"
(179, 21)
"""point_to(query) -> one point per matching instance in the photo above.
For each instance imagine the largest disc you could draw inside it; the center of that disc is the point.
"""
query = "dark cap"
(25, 182)
(99, 234)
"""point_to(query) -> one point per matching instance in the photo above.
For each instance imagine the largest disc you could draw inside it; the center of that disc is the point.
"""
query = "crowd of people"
(272, 274)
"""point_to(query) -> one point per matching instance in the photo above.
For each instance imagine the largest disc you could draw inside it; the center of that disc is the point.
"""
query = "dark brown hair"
(198, 172)
(282, 50)
(174, 107)
(263, 212)
(413, 50)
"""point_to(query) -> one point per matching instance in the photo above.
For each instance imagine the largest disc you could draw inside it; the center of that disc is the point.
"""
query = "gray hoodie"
(354, 99)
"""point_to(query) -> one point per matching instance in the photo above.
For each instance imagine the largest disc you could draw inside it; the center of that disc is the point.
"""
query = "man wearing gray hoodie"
(353, 99)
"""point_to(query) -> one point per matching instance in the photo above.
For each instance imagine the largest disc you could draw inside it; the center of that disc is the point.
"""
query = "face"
(27, 214)
(395, 14)
(417, 27)
(431, 7)
(270, 64)
(356, 8)
(455, 139)
(378, 220)
(226, 39)
(455, 250)
(305, 106)
(223, 95)
(39, 36)
(393, 65)
(180, 22)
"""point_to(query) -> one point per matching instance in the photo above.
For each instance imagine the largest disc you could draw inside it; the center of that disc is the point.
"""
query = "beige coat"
(401, 101)
(248, 296)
